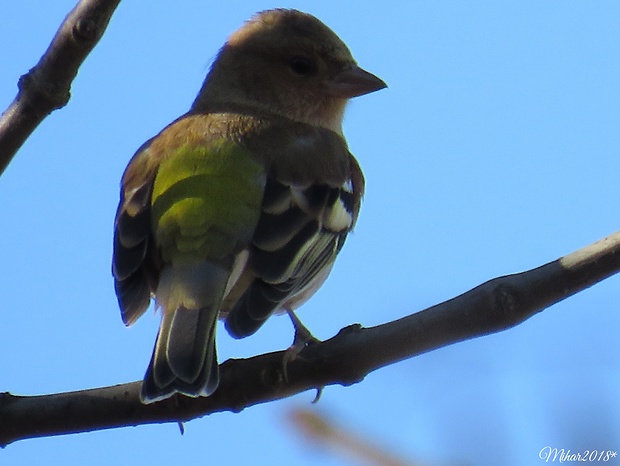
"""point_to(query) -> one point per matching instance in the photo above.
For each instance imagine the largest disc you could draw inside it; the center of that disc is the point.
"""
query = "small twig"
(323, 432)
(47, 86)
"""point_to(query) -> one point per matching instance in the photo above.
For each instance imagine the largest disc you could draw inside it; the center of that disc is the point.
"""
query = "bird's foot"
(303, 338)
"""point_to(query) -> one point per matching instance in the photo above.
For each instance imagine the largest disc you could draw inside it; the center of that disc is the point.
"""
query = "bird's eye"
(303, 66)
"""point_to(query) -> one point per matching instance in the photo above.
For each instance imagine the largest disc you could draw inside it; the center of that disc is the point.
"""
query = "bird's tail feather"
(184, 359)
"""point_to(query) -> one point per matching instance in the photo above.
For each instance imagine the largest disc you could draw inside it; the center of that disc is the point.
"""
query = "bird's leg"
(303, 338)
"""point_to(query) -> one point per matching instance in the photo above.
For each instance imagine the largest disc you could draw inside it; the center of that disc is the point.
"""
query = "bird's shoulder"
(294, 152)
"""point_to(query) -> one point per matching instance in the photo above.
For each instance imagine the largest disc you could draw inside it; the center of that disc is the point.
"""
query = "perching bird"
(238, 209)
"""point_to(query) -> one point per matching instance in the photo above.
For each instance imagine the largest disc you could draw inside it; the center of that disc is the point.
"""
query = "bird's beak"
(354, 82)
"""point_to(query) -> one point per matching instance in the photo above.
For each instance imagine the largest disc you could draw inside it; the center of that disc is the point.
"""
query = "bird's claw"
(319, 392)
(303, 338)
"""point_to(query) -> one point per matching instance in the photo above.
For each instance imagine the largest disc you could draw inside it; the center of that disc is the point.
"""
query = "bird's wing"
(192, 192)
(133, 276)
(311, 201)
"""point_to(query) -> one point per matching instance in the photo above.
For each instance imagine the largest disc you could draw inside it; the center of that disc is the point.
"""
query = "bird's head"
(289, 63)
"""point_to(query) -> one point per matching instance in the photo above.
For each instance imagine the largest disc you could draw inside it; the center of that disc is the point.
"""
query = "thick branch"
(47, 86)
(344, 359)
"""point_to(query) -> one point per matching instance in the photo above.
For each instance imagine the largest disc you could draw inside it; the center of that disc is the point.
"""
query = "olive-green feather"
(206, 201)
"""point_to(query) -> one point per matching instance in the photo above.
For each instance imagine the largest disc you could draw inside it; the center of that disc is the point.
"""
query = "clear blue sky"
(495, 149)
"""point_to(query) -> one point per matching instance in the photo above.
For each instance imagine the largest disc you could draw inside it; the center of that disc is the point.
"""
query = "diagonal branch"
(47, 86)
(345, 359)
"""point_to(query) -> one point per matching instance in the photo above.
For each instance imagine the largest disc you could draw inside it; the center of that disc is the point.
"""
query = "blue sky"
(494, 150)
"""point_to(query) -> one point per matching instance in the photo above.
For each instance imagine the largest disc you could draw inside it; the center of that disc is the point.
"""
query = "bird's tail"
(184, 359)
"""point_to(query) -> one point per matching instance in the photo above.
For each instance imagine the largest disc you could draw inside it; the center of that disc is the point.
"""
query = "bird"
(237, 209)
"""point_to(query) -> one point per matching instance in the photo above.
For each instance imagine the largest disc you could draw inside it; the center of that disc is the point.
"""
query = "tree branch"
(47, 86)
(344, 359)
